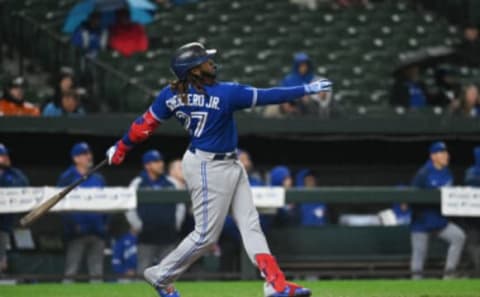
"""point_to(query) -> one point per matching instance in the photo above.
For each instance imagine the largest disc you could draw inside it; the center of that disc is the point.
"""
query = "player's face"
(303, 68)
(84, 160)
(4, 161)
(156, 167)
(441, 159)
(208, 69)
(310, 181)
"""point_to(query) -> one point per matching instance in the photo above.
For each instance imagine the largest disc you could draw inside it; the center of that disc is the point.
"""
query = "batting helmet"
(189, 56)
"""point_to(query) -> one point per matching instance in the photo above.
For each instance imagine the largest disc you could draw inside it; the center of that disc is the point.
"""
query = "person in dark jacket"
(468, 51)
(90, 36)
(147, 220)
(472, 179)
(408, 91)
(427, 219)
(84, 231)
(9, 177)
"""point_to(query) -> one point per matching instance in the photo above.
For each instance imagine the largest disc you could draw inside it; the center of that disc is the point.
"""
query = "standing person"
(85, 231)
(217, 182)
(175, 174)
(428, 220)
(9, 177)
(149, 218)
(253, 178)
(472, 179)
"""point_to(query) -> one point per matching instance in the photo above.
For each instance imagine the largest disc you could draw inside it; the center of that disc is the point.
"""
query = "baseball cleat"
(168, 292)
(290, 290)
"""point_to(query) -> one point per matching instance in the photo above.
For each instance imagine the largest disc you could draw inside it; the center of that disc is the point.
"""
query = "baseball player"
(215, 179)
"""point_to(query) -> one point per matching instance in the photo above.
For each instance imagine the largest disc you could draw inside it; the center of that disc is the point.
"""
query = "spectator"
(408, 91)
(280, 177)
(90, 36)
(64, 82)
(69, 106)
(468, 51)
(149, 219)
(127, 37)
(313, 213)
(427, 219)
(9, 177)
(13, 102)
(469, 102)
(472, 179)
(253, 178)
(85, 232)
(447, 91)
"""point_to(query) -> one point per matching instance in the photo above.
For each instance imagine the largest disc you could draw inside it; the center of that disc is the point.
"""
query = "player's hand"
(116, 153)
(321, 85)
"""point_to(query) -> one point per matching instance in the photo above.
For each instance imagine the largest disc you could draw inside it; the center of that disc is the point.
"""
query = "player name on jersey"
(198, 100)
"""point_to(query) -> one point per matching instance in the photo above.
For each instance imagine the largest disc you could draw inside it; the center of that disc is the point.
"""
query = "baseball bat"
(43, 208)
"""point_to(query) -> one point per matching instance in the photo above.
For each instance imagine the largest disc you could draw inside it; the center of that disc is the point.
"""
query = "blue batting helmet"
(189, 56)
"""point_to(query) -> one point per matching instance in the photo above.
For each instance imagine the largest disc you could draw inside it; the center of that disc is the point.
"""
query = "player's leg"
(455, 237)
(95, 257)
(210, 186)
(74, 255)
(419, 242)
(255, 243)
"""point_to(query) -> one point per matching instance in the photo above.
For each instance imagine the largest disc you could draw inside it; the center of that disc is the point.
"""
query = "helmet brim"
(211, 52)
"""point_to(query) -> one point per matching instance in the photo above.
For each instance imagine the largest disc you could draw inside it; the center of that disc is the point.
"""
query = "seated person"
(468, 51)
(13, 102)
(127, 37)
(408, 91)
(69, 105)
(90, 36)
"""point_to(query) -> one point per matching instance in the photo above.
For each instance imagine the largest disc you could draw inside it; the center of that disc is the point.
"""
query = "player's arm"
(248, 97)
(139, 131)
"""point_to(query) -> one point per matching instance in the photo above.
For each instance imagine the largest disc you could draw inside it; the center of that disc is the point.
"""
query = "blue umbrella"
(140, 12)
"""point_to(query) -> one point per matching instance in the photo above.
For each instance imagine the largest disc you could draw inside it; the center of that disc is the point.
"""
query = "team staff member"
(9, 177)
(217, 182)
(472, 178)
(428, 220)
(85, 232)
(152, 218)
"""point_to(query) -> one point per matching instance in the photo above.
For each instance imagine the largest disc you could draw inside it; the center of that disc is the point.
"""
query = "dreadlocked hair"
(181, 86)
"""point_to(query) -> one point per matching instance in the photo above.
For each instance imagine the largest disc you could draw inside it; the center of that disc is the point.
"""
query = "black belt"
(218, 157)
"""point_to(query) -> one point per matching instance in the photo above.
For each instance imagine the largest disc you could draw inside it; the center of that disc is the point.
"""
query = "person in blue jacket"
(148, 219)
(472, 179)
(84, 231)
(9, 177)
(90, 36)
(313, 213)
(427, 219)
(124, 247)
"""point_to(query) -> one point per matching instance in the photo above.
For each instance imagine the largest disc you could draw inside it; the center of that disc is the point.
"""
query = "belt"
(217, 157)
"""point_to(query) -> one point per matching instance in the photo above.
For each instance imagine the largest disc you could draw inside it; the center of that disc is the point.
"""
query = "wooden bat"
(43, 208)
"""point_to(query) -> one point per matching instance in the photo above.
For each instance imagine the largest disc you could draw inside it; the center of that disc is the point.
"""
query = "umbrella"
(423, 57)
(140, 12)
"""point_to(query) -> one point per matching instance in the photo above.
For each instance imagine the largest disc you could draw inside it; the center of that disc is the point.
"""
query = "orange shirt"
(8, 108)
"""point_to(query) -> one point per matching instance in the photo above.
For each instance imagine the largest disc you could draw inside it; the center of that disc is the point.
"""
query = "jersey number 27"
(193, 123)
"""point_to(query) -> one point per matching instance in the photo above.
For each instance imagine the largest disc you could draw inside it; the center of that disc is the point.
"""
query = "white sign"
(268, 197)
(81, 199)
(461, 201)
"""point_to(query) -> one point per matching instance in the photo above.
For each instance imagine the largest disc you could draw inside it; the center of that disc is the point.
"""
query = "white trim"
(255, 97)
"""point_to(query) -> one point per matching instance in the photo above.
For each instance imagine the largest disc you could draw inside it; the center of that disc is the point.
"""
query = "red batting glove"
(116, 153)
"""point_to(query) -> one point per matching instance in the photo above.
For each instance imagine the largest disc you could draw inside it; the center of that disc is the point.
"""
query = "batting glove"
(116, 153)
(321, 85)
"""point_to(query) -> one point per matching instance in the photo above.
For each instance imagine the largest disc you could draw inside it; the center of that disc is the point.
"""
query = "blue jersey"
(428, 218)
(208, 115)
(124, 253)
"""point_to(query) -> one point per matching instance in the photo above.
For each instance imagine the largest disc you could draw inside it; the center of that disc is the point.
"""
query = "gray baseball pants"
(452, 234)
(216, 187)
(89, 246)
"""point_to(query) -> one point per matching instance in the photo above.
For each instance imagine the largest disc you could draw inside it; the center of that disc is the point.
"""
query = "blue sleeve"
(117, 261)
(49, 110)
(419, 180)
(131, 261)
(64, 180)
(159, 107)
(242, 96)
